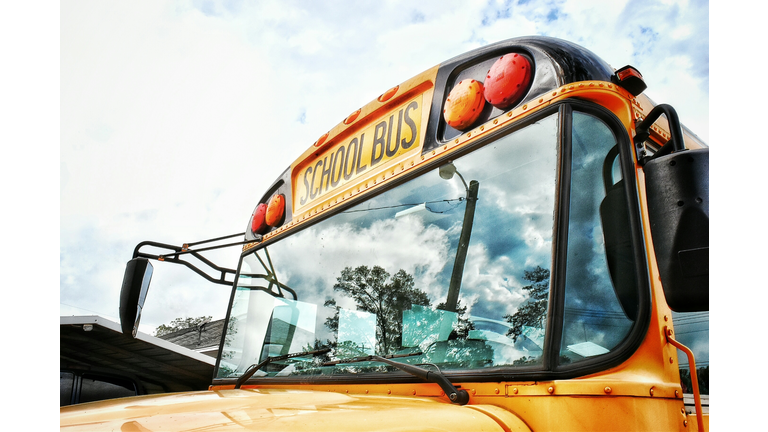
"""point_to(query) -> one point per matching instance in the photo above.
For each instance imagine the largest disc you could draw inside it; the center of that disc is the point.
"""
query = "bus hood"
(282, 410)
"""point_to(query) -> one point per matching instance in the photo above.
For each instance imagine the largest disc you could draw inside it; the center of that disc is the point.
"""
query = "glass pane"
(692, 330)
(376, 278)
(66, 383)
(600, 308)
(95, 388)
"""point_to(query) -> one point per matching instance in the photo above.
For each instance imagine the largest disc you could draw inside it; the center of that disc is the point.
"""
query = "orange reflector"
(352, 117)
(387, 95)
(507, 80)
(275, 210)
(464, 104)
(258, 221)
(630, 79)
(628, 72)
(320, 141)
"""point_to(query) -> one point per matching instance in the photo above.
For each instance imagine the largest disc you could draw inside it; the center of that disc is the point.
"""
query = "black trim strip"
(552, 370)
(560, 244)
(629, 345)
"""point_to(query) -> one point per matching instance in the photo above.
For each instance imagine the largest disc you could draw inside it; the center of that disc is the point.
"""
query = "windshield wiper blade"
(255, 367)
(457, 396)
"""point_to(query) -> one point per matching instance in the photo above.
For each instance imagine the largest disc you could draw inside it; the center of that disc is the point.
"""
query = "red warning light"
(275, 210)
(258, 220)
(507, 80)
(464, 104)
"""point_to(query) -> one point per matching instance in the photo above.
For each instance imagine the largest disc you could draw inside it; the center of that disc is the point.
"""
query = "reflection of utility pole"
(447, 171)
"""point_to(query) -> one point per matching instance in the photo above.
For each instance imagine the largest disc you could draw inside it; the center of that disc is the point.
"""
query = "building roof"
(154, 361)
(203, 339)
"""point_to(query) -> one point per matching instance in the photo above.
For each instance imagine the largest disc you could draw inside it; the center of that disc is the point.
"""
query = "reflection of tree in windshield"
(534, 311)
(386, 297)
(464, 325)
(397, 318)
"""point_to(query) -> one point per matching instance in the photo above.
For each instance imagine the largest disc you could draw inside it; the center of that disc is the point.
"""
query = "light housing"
(630, 79)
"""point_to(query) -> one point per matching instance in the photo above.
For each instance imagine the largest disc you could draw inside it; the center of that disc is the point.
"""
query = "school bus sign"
(394, 134)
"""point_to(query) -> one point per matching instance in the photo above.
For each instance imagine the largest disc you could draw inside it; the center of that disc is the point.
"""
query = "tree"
(463, 326)
(375, 292)
(534, 311)
(181, 324)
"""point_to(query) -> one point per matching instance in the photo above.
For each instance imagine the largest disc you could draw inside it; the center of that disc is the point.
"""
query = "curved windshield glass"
(450, 268)
(601, 290)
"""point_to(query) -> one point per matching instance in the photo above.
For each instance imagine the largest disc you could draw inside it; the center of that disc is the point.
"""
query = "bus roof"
(355, 148)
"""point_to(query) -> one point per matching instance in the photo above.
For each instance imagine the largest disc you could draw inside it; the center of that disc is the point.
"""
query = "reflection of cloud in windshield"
(512, 230)
(311, 261)
(491, 287)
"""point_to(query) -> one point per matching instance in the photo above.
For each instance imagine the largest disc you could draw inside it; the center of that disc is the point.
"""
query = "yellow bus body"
(643, 393)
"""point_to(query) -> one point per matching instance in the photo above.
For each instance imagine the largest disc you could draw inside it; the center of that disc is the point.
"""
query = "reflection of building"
(204, 339)
(284, 338)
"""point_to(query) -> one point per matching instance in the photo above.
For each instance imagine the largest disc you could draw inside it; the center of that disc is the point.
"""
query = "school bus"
(507, 241)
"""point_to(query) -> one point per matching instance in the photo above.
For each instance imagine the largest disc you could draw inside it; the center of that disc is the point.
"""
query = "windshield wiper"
(255, 367)
(456, 396)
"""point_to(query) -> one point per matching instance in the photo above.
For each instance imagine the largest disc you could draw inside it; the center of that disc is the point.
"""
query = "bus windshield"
(388, 277)
(375, 279)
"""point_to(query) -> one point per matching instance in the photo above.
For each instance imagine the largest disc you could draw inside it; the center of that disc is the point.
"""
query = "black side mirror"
(138, 273)
(678, 208)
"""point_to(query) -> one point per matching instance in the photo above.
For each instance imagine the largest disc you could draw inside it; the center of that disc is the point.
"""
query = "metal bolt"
(453, 397)
(514, 390)
(551, 390)
(607, 389)
(496, 391)
(651, 391)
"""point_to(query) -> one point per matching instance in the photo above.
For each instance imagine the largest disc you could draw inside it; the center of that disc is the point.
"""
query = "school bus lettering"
(358, 155)
(411, 124)
(393, 135)
(378, 142)
(306, 185)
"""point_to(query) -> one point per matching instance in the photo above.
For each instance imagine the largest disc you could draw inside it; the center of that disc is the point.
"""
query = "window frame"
(634, 338)
(549, 367)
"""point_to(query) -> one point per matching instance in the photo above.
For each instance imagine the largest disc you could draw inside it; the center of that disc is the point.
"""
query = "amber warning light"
(268, 215)
(505, 85)
(630, 79)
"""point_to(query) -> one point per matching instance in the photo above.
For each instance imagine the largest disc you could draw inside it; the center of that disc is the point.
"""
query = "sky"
(175, 116)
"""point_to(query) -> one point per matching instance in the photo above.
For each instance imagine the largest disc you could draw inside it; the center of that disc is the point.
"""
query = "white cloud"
(321, 253)
(175, 116)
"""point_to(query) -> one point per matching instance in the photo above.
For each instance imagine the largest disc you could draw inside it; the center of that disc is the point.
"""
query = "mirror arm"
(642, 132)
(184, 249)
